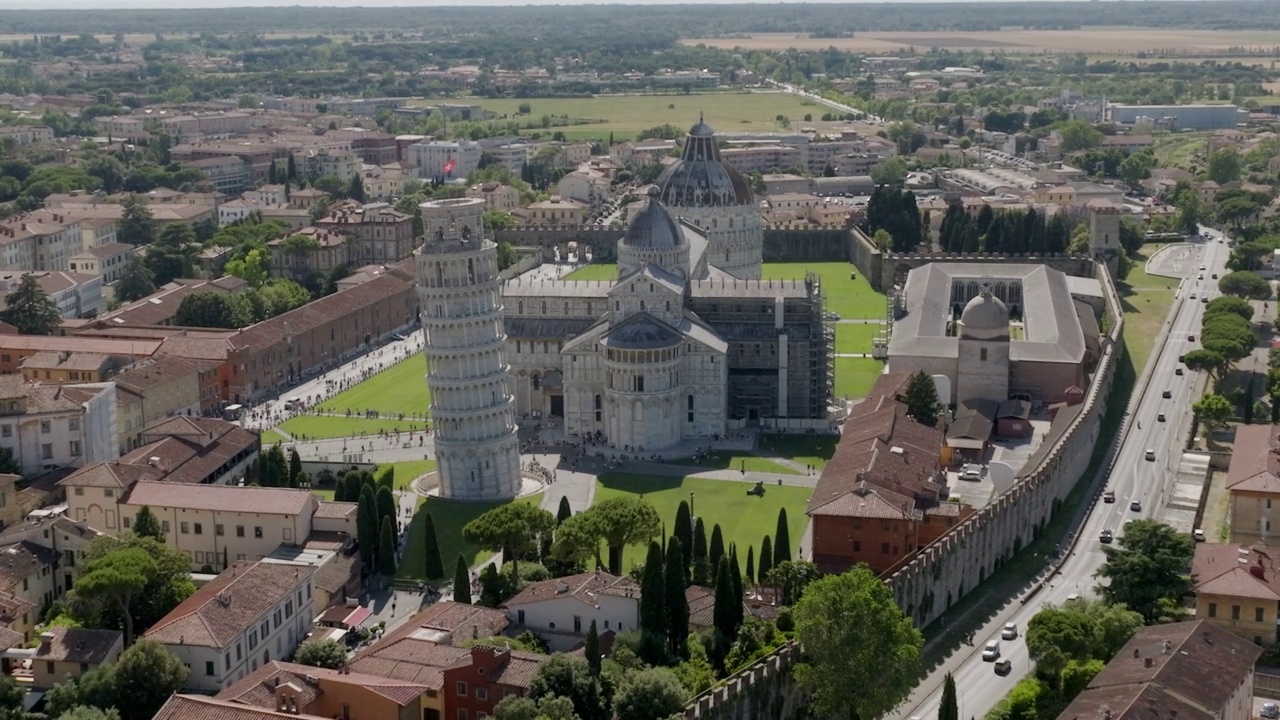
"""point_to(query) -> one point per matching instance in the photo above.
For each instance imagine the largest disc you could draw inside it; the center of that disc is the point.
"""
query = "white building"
(251, 614)
(77, 294)
(236, 210)
(47, 427)
(50, 238)
(106, 261)
(513, 157)
(562, 609)
(587, 186)
(461, 157)
(26, 134)
(462, 319)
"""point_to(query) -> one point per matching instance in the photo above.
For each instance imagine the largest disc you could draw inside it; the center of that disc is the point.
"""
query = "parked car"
(1166, 394)
(991, 652)
(1270, 711)
(1198, 535)
(1177, 371)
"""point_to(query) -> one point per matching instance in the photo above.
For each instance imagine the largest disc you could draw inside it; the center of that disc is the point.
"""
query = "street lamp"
(691, 513)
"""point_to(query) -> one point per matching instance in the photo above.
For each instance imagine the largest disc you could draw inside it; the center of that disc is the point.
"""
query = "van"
(293, 404)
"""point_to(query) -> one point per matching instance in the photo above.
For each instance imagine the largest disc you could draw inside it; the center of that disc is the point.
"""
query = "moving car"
(1198, 535)
(1136, 506)
(1106, 537)
(991, 652)
(1166, 394)
(1151, 455)
(1193, 296)
(1214, 276)
(1191, 338)
(1010, 631)
(1177, 371)
(1160, 417)
(1109, 496)
(1204, 300)
(1004, 667)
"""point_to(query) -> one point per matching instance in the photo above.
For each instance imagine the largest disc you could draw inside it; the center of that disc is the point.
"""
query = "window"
(857, 546)
(73, 424)
(884, 548)
(1235, 612)
(266, 629)
(164, 525)
(982, 354)
(482, 693)
(184, 528)
(108, 492)
(79, 491)
(218, 530)
(45, 427)
(6, 431)
(257, 531)
(46, 451)
(228, 661)
(208, 667)
(199, 529)
(519, 617)
(48, 666)
(239, 531)
(461, 689)
(1257, 614)
(462, 714)
(75, 448)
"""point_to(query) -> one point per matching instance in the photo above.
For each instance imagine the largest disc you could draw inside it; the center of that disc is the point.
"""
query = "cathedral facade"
(687, 342)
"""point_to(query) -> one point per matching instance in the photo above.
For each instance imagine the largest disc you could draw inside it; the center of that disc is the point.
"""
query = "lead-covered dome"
(653, 227)
(985, 317)
(700, 178)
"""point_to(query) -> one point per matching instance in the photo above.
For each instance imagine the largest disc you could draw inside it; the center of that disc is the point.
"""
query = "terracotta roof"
(230, 604)
(199, 707)
(258, 687)
(1165, 671)
(221, 498)
(1236, 571)
(337, 510)
(12, 608)
(337, 571)
(449, 622)
(87, 361)
(110, 474)
(202, 347)
(320, 312)
(10, 638)
(190, 450)
(19, 560)
(409, 659)
(150, 373)
(107, 250)
(1255, 460)
(884, 448)
(58, 343)
(160, 307)
(583, 587)
(78, 645)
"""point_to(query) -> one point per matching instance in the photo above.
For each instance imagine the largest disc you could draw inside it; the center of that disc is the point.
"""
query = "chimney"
(1167, 646)
(1148, 662)
(1137, 653)
(45, 639)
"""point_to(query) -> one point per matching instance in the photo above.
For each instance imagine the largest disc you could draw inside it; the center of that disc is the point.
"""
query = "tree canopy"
(1147, 569)
(322, 653)
(29, 309)
(515, 528)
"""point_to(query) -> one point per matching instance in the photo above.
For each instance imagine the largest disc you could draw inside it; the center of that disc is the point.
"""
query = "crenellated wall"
(935, 578)
(780, 244)
(895, 266)
(764, 690)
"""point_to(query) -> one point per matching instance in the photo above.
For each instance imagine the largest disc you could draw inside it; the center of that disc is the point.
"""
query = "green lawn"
(853, 299)
(743, 519)
(271, 437)
(594, 271)
(856, 337)
(728, 460)
(406, 472)
(319, 427)
(626, 115)
(855, 376)
(449, 519)
(1146, 300)
(813, 450)
(401, 388)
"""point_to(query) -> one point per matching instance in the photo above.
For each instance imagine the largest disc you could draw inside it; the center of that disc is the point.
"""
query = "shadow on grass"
(1024, 569)
(449, 518)
(800, 446)
(640, 484)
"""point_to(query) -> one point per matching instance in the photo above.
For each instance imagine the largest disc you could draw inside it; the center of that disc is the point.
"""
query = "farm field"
(1095, 40)
(625, 115)
(743, 519)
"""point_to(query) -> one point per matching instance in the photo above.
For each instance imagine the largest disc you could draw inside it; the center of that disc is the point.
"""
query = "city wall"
(763, 690)
(932, 580)
(780, 244)
(895, 266)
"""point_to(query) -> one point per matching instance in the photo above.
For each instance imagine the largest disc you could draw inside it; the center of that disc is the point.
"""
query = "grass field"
(406, 472)
(853, 299)
(1095, 40)
(1179, 150)
(1146, 300)
(322, 427)
(449, 519)
(856, 337)
(855, 376)
(813, 450)
(626, 115)
(595, 271)
(726, 460)
(401, 388)
(743, 519)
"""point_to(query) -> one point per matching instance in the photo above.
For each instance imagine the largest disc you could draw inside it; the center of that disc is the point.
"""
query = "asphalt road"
(1133, 479)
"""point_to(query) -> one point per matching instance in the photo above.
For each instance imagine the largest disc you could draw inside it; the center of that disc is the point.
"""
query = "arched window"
(641, 306)
(471, 270)
(535, 381)
(520, 307)
(617, 306)
(598, 408)
(544, 307)
(668, 306)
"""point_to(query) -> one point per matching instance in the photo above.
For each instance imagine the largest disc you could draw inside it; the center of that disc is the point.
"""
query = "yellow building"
(71, 652)
(1253, 481)
(71, 367)
(10, 508)
(153, 389)
(27, 584)
(556, 212)
(1237, 588)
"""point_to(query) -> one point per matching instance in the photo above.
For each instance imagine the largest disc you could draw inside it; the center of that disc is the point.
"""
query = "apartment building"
(266, 195)
(562, 609)
(763, 158)
(587, 186)
(1253, 484)
(67, 653)
(497, 197)
(304, 690)
(324, 162)
(512, 156)
(106, 261)
(250, 614)
(46, 427)
(39, 240)
(473, 687)
(229, 175)
(22, 135)
(318, 251)
(77, 295)
(444, 160)
(157, 388)
(67, 539)
(555, 212)
(51, 368)
(1237, 588)
(383, 185)
(27, 585)
(382, 234)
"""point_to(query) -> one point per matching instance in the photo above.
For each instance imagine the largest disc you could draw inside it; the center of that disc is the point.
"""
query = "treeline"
(1004, 231)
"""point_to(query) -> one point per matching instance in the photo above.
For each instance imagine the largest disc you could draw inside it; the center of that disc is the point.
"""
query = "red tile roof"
(199, 707)
(221, 498)
(1236, 571)
(583, 587)
(1255, 460)
(230, 604)
(258, 687)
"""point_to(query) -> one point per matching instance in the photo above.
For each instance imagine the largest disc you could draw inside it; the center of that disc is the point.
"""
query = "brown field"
(1110, 41)
(143, 39)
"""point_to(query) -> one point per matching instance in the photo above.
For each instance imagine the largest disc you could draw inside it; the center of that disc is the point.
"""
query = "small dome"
(984, 317)
(701, 129)
(653, 226)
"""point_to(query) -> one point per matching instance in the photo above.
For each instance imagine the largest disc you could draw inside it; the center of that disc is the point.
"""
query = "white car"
(1010, 631)
(991, 652)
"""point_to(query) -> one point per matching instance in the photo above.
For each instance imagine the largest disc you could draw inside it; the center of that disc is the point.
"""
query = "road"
(1133, 479)
(859, 114)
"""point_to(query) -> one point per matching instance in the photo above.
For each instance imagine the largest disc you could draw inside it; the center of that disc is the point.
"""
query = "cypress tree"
(716, 550)
(766, 560)
(653, 612)
(145, 524)
(386, 506)
(751, 565)
(701, 563)
(723, 612)
(563, 512)
(295, 464)
(781, 539)
(367, 527)
(684, 531)
(677, 604)
(461, 582)
(387, 548)
(434, 566)
(736, 574)
(592, 651)
(949, 708)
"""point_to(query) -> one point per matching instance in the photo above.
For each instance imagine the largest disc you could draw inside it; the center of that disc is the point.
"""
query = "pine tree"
(766, 560)
(564, 512)
(292, 168)
(271, 173)
(781, 539)
(592, 650)
(433, 565)
(677, 603)
(653, 612)
(701, 563)
(367, 527)
(684, 531)
(985, 217)
(922, 399)
(716, 550)
(386, 505)
(137, 226)
(387, 548)
(461, 582)
(751, 564)
(949, 708)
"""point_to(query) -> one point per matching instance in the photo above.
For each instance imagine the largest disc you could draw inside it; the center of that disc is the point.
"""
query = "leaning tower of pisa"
(472, 407)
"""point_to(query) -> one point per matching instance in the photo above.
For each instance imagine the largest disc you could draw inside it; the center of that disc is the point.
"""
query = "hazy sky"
(178, 4)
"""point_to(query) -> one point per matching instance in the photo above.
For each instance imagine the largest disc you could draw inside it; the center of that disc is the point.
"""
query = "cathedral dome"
(700, 178)
(984, 317)
(653, 227)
